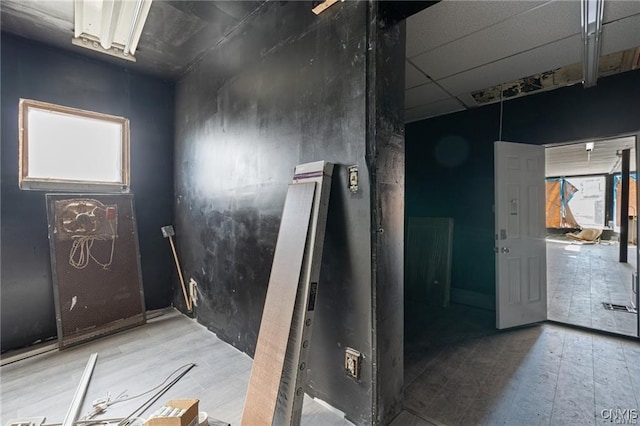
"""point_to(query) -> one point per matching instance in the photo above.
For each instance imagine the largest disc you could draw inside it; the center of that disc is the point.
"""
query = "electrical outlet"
(193, 291)
(353, 179)
(352, 361)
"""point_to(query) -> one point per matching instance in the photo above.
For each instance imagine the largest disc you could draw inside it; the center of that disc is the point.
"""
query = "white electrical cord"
(80, 254)
(101, 406)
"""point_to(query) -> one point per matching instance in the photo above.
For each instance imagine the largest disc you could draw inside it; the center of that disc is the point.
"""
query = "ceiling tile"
(537, 27)
(545, 58)
(425, 94)
(616, 9)
(434, 109)
(450, 20)
(621, 35)
(413, 77)
(467, 99)
(573, 159)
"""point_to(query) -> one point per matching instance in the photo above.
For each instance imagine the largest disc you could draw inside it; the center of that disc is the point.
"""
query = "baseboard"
(24, 353)
(473, 298)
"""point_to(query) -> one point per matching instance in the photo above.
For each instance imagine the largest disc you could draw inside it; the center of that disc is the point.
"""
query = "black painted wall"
(385, 157)
(285, 88)
(35, 71)
(450, 159)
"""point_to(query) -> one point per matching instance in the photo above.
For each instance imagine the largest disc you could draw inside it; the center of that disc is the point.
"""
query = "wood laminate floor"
(459, 370)
(137, 360)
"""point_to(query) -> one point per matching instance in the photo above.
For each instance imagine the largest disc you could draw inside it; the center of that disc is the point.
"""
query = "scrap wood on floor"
(586, 235)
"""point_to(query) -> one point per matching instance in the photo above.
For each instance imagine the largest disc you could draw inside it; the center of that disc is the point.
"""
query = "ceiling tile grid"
(621, 35)
(538, 27)
(617, 9)
(413, 77)
(432, 92)
(467, 46)
(425, 31)
(444, 106)
(537, 60)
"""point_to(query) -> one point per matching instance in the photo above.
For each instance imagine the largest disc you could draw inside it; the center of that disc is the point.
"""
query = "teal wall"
(449, 159)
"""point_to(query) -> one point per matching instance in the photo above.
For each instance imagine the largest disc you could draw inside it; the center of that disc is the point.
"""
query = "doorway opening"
(592, 255)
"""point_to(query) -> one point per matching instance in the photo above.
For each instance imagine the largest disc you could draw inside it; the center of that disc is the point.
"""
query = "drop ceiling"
(575, 160)
(456, 48)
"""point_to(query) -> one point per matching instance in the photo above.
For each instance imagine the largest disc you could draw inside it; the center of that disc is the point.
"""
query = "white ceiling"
(454, 48)
(175, 34)
(457, 47)
(575, 160)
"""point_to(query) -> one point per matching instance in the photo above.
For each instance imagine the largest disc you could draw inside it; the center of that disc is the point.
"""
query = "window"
(70, 149)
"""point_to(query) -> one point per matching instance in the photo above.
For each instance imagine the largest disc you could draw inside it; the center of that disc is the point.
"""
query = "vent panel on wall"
(96, 265)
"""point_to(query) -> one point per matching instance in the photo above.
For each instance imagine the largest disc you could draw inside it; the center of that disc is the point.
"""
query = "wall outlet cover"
(352, 362)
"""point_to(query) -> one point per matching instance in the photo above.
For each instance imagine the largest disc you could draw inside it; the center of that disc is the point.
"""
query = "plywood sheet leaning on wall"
(428, 267)
(294, 372)
(262, 393)
(95, 264)
(276, 387)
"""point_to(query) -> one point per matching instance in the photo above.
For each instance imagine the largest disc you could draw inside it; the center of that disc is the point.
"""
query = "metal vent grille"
(620, 308)
(95, 264)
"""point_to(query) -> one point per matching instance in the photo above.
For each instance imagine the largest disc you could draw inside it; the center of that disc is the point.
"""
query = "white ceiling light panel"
(110, 26)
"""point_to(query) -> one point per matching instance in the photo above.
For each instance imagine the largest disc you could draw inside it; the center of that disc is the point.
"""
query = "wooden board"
(428, 263)
(323, 6)
(98, 284)
(294, 373)
(268, 363)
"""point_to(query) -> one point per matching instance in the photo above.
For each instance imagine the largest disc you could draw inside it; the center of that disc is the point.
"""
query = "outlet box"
(352, 361)
(353, 178)
(193, 291)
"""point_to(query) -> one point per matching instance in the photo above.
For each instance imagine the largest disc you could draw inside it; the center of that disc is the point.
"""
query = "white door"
(520, 227)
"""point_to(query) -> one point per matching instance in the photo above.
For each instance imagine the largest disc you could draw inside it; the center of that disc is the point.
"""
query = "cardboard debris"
(587, 235)
(187, 414)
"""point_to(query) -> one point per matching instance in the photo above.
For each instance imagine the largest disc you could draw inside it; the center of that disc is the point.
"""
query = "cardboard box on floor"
(188, 418)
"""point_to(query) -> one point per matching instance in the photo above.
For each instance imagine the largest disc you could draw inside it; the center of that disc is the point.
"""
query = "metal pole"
(78, 398)
(624, 206)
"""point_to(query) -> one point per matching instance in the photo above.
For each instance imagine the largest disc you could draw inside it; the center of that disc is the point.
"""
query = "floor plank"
(582, 277)
(137, 360)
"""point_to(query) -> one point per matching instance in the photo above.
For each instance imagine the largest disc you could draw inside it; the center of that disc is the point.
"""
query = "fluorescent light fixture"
(591, 40)
(110, 26)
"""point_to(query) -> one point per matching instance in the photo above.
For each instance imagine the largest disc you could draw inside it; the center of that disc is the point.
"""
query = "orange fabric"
(554, 208)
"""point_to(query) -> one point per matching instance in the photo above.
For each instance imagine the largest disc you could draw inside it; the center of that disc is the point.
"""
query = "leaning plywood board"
(97, 280)
(428, 263)
(294, 373)
(262, 393)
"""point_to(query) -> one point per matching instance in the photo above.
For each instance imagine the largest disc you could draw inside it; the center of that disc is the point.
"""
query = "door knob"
(504, 250)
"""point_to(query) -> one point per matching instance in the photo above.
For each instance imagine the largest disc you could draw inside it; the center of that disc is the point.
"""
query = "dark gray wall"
(286, 88)
(450, 159)
(385, 158)
(35, 71)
